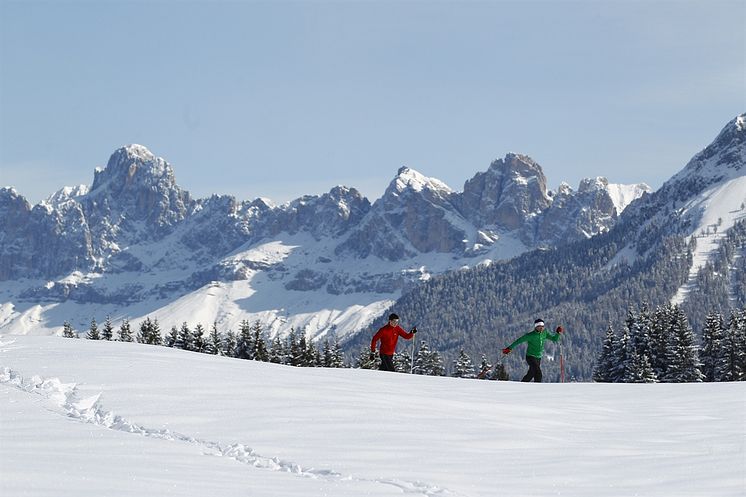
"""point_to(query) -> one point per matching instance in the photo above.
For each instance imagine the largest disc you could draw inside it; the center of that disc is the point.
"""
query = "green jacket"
(535, 340)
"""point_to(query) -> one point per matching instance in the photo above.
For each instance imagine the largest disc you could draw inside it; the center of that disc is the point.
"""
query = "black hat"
(393, 316)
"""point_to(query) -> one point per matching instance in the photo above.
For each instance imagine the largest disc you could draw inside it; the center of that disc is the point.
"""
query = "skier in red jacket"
(388, 336)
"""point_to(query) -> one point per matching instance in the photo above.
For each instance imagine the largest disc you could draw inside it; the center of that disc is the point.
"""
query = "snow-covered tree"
(68, 331)
(199, 338)
(108, 332)
(683, 360)
(125, 331)
(428, 362)
(485, 367)
(93, 333)
(463, 367)
(712, 350)
(215, 341)
(605, 364)
(185, 338)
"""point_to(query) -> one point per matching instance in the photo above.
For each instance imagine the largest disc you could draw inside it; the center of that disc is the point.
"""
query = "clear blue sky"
(280, 99)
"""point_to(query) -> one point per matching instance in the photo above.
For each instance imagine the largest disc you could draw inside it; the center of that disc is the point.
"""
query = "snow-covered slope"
(83, 418)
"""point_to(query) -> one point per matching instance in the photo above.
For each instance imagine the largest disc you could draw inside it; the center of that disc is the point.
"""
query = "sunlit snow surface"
(83, 418)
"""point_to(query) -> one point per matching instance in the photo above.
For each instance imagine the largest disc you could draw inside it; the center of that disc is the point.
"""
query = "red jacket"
(388, 335)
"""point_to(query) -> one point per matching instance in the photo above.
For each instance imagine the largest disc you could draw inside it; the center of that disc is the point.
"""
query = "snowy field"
(82, 418)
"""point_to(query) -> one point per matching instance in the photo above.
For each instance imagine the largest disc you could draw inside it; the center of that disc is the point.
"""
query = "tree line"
(660, 346)
(251, 343)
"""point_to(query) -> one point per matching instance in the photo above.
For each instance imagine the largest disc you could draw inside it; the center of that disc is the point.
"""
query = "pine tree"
(485, 367)
(215, 342)
(172, 337)
(604, 371)
(68, 331)
(230, 344)
(364, 360)
(500, 373)
(730, 366)
(277, 353)
(199, 338)
(185, 338)
(428, 362)
(296, 347)
(402, 362)
(260, 346)
(93, 333)
(463, 367)
(108, 331)
(640, 370)
(244, 343)
(712, 345)
(683, 360)
(338, 360)
(622, 357)
(125, 332)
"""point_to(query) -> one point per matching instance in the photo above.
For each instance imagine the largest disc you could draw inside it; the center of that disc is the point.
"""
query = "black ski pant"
(387, 363)
(534, 369)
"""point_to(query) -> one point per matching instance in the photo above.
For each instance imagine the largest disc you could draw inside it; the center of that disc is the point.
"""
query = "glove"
(372, 356)
(414, 330)
(560, 329)
(506, 350)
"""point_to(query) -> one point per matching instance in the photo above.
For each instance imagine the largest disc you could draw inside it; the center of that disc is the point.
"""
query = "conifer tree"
(68, 331)
(172, 337)
(730, 366)
(683, 360)
(364, 361)
(402, 362)
(640, 370)
(244, 342)
(428, 362)
(215, 342)
(260, 346)
(108, 331)
(463, 367)
(155, 333)
(712, 345)
(622, 357)
(485, 367)
(185, 338)
(199, 338)
(93, 333)
(277, 353)
(604, 371)
(125, 332)
(500, 373)
(230, 344)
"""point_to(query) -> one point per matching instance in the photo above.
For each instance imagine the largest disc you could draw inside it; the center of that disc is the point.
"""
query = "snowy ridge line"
(89, 410)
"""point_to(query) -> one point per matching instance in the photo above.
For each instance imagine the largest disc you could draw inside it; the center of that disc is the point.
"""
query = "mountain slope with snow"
(135, 244)
(83, 418)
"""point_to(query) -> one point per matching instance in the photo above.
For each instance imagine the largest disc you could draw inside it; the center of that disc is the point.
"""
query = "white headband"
(540, 323)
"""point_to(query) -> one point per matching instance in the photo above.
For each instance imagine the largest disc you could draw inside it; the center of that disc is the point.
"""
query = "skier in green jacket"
(535, 350)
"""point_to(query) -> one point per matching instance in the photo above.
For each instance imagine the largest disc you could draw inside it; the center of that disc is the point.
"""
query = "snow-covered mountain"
(135, 244)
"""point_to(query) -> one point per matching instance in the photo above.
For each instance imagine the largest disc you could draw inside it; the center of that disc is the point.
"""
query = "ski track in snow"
(89, 410)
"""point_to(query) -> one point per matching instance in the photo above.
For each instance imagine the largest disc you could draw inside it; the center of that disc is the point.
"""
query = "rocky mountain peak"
(512, 190)
(137, 185)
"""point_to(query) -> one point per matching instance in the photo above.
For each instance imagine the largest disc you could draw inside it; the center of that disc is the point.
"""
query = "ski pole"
(562, 363)
(414, 343)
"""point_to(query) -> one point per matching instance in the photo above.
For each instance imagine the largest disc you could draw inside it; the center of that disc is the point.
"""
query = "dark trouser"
(387, 363)
(534, 369)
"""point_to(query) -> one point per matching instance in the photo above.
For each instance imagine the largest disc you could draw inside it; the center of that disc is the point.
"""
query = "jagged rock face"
(329, 215)
(576, 215)
(415, 214)
(39, 241)
(137, 186)
(511, 191)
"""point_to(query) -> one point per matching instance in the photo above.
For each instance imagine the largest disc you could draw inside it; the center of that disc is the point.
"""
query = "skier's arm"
(375, 340)
(556, 337)
(403, 333)
(518, 342)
